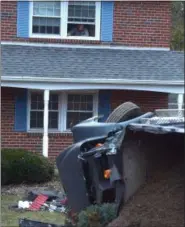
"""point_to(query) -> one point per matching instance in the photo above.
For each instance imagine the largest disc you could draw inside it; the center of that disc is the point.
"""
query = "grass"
(11, 218)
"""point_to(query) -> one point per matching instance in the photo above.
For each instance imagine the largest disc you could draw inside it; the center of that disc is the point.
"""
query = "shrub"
(97, 215)
(18, 166)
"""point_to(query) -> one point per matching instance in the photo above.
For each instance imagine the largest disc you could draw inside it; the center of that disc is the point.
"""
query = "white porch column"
(180, 101)
(46, 119)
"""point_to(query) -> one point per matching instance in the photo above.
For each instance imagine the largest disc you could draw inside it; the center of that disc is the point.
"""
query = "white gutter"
(89, 81)
(88, 46)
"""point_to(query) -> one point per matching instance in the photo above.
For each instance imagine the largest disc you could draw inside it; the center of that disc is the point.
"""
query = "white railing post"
(46, 120)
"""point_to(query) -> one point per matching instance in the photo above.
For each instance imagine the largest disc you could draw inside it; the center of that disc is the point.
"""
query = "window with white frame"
(173, 101)
(71, 19)
(46, 18)
(81, 18)
(67, 108)
(79, 108)
(37, 111)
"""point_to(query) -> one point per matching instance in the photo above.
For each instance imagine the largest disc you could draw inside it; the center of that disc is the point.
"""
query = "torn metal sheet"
(157, 129)
(163, 121)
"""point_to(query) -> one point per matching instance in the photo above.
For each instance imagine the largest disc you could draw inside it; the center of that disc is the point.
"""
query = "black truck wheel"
(124, 112)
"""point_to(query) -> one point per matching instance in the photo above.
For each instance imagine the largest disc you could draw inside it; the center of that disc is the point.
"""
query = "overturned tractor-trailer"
(110, 161)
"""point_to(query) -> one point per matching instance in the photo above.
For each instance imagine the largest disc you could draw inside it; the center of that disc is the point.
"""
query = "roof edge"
(90, 81)
(85, 46)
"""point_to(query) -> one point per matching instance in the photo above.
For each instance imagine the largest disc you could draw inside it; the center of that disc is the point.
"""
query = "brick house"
(53, 77)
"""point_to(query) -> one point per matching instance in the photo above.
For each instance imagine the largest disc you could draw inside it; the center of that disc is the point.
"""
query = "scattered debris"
(33, 223)
(51, 201)
(52, 195)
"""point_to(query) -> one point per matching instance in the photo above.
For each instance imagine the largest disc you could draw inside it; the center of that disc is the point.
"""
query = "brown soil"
(159, 203)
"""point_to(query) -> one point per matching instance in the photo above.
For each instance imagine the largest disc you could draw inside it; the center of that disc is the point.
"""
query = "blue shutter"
(21, 111)
(104, 107)
(23, 19)
(107, 11)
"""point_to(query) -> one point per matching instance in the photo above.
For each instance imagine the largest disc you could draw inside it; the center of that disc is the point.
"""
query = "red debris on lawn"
(38, 202)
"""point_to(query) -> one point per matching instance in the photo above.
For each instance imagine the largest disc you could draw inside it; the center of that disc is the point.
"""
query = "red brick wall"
(8, 20)
(135, 24)
(31, 141)
(142, 23)
(147, 101)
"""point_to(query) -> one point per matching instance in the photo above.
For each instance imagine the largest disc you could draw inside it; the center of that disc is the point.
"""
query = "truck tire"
(124, 112)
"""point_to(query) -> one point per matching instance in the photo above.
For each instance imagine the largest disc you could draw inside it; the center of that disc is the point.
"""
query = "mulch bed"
(159, 203)
(24, 188)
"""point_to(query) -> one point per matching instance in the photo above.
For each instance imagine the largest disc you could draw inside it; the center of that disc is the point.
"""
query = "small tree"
(177, 38)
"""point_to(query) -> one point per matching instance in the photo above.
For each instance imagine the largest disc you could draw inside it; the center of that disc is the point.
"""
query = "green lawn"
(10, 218)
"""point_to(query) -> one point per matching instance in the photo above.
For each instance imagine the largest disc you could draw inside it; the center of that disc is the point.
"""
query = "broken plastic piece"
(99, 144)
(38, 202)
(107, 173)
(24, 204)
(64, 201)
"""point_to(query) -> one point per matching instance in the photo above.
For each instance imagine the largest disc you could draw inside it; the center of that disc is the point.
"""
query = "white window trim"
(62, 121)
(174, 105)
(29, 110)
(63, 24)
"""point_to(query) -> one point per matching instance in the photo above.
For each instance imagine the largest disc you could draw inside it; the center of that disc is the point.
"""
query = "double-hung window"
(65, 110)
(46, 18)
(37, 111)
(65, 19)
(81, 13)
(79, 108)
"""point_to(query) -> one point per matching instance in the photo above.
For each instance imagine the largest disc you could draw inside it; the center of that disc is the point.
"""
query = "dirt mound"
(159, 203)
